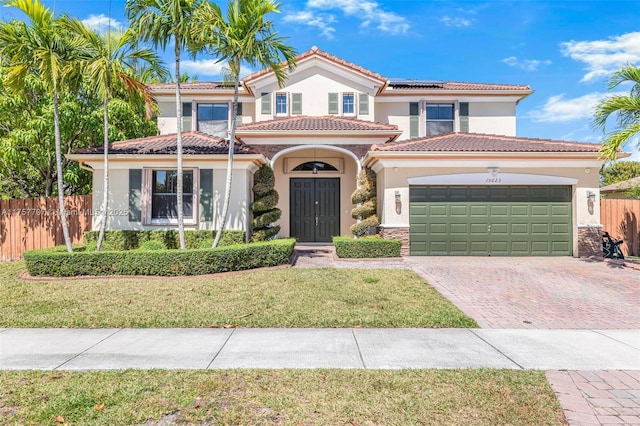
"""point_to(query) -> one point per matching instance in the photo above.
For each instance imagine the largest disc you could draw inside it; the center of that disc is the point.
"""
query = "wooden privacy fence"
(34, 223)
(621, 219)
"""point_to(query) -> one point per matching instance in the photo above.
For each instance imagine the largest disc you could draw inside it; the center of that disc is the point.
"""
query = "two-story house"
(452, 176)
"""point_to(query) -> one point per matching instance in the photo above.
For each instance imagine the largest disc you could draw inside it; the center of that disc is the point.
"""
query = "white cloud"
(101, 22)
(632, 147)
(602, 57)
(456, 22)
(208, 67)
(309, 18)
(559, 109)
(526, 64)
(369, 12)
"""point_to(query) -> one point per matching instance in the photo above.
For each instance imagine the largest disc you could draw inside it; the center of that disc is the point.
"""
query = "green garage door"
(490, 221)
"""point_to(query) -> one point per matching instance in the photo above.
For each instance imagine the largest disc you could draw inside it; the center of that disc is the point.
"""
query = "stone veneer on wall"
(589, 241)
(397, 234)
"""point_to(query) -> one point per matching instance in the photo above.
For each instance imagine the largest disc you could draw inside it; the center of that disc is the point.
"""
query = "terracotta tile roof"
(452, 85)
(324, 123)
(314, 51)
(474, 142)
(621, 186)
(193, 85)
(192, 143)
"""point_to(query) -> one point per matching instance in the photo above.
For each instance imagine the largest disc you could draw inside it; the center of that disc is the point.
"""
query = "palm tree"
(246, 36)
(159, 21)
(41, 46)
(625, 107)
(113, 68)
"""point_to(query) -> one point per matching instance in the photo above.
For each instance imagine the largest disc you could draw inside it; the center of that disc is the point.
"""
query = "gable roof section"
(414, 85)
(621, 186)
(192, 87)
(474, 142)
(192, 143)
(318, 124)
(314, 52)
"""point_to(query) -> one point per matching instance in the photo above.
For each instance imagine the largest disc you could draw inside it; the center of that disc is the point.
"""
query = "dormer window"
(281, 104)
(348, 104)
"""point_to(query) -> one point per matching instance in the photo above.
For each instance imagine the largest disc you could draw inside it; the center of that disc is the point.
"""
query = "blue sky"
(563, 49)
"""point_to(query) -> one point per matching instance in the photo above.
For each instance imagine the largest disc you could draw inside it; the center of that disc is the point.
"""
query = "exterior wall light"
(591, 196)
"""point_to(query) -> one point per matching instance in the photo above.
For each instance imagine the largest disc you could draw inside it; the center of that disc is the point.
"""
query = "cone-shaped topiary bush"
(365, 198)
(263, 207)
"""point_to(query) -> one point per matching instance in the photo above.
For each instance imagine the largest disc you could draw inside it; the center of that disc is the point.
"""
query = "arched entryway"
(315, 183)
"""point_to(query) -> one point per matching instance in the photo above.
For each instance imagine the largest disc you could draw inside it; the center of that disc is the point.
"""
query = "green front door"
(490, 221)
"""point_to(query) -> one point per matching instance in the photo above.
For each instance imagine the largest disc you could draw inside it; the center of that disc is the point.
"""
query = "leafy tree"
(365, 198)
(113, 66)
(625, 108)
(245, 36)
(264, 209)
(27, 145)
(41, 46)
(619, 171)
(159, 21)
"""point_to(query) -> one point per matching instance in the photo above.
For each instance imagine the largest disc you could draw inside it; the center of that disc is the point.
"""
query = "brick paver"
(542, 293)
(537, 292)
(585, 404)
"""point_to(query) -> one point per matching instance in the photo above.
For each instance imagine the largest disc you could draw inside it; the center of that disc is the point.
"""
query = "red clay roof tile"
(324, 123)
(192, 143)
(474, 142)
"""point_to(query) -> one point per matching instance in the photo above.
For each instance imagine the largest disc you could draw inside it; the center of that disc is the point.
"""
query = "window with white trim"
(439, 119)
(348, 104)
(281, 104)
(164, 201)
(213, 119)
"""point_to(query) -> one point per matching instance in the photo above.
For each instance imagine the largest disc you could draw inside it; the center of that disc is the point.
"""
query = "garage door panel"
(560, 228)
(459, 229)
(519, 228)
(476, 210)
(540, 210)
(523, 221)
(559, 210)
(438, 228)
(438, 211)
(459, 210)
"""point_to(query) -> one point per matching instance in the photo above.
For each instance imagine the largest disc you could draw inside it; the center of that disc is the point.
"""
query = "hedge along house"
(452, 176)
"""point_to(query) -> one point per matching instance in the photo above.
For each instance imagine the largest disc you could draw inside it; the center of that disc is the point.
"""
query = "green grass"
(286, 297)
(290, 397)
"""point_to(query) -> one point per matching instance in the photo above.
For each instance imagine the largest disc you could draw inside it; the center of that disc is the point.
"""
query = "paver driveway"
(537, 292)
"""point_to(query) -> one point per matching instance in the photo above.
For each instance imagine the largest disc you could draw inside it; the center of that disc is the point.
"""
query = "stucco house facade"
(453, 178)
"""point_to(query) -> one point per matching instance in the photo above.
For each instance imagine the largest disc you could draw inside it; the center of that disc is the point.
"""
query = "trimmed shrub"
(365, 247)
(49, 262)
(264, 209)
(120, 239)
(367, 204)
(152, 245)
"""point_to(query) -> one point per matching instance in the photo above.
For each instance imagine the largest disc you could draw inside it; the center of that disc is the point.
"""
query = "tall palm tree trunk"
(232, 139)
(62, 209)
(179, 191)
(105, 186)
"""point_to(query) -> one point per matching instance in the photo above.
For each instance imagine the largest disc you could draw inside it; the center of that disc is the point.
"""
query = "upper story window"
(213, 119)
(348, 104)
(164, 203)
(439, 119)
(281, 104)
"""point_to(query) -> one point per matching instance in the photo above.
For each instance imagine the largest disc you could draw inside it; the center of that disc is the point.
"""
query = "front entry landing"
(315, 209)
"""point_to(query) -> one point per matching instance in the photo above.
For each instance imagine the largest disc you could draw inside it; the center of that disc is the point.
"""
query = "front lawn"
(287, 297)
(292, 397)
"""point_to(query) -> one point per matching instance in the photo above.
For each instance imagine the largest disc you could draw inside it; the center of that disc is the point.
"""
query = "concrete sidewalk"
(106, 349)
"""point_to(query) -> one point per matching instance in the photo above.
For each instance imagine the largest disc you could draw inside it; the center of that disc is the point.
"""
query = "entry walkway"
(106, 349)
